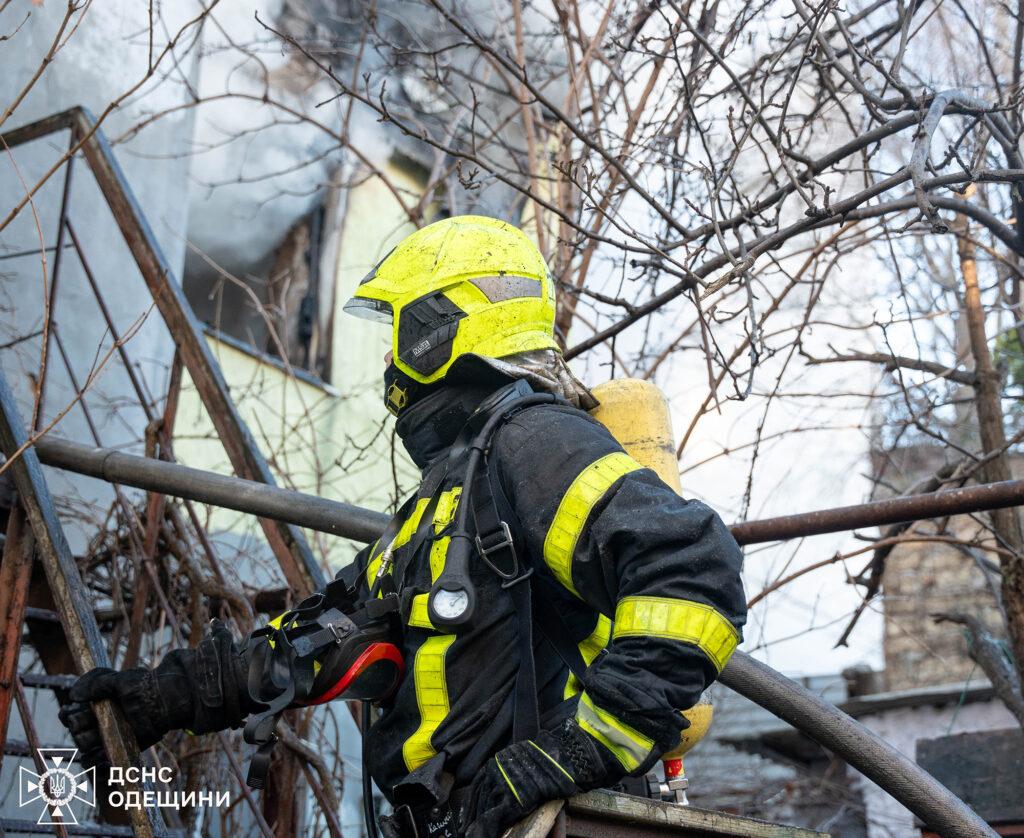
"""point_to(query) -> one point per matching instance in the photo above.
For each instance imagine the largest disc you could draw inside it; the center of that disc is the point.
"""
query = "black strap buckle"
(506, 543)
(340, 631)
(509, 583)
(259, 765)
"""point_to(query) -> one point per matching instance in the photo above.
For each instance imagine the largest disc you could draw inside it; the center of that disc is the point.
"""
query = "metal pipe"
(250, 496)
(875, 758)
(876, 513)
(365, 525)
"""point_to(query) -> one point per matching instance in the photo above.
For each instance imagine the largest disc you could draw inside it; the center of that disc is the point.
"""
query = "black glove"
(201, 689)
(524, 775)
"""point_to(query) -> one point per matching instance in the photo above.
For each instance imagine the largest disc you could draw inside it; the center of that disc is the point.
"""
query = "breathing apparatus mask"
(325, 649)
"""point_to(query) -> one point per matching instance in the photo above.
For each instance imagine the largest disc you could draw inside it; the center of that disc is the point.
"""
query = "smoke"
(257, 168)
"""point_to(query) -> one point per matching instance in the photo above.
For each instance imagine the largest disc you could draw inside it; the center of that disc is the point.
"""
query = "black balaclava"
(432, 415)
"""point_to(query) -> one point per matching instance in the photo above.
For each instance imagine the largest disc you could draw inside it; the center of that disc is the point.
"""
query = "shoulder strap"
(498, 532)
(492, 508)
(452, 600)
(500, 543)
(554, 628)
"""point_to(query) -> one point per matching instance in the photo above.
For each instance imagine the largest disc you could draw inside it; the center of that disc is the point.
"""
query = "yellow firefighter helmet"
(464, 285)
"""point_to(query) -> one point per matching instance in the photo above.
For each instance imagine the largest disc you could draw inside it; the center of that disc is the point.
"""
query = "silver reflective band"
(508, 287)
(630, 747)
(369, 309)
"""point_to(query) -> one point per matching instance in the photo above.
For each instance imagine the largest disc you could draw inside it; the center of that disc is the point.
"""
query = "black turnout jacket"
(647, 584)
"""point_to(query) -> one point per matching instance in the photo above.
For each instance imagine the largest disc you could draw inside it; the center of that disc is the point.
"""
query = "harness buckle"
(506, 542)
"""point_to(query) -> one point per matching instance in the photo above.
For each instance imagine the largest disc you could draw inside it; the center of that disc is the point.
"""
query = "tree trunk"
(988, 400)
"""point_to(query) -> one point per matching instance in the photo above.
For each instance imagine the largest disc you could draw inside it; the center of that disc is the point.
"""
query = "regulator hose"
(876, 759)
(369, 811)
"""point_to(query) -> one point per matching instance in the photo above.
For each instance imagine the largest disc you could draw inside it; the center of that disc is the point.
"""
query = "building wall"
(333, 440)
(928, 578)
(902, 728)
(923, 578)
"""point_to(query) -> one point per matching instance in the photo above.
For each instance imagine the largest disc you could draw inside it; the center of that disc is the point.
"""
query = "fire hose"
(834, 730)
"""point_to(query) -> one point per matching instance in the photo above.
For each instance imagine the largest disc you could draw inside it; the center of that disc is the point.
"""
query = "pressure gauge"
(450, 605)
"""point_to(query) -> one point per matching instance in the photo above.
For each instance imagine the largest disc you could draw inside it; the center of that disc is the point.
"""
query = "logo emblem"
(57, 786)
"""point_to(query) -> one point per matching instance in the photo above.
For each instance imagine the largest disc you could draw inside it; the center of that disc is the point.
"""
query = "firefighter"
(609, 567)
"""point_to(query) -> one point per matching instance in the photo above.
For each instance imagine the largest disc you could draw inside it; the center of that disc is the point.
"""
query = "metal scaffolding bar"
(216, 489)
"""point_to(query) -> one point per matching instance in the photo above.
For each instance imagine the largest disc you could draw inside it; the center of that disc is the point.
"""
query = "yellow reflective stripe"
(446, 505)
(418, 615)
(589, 647)
(677, 619)
(438, 552)
(575, 508)
(552, 760)
(507, 780)
(431, 699)
(372, 564)
(629, 746)
(409, 525)
(372, 567)
(444, 514)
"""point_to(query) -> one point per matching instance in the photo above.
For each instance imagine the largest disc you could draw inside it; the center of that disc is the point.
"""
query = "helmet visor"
(375, 310)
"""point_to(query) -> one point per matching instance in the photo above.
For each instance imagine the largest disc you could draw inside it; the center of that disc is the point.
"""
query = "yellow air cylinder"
(638, 416)
(636, 412)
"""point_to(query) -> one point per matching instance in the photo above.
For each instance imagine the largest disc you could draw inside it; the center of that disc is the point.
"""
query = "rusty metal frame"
(144, 538)
(75, 611)
(15, 574)
(192, 354)
(287, 541)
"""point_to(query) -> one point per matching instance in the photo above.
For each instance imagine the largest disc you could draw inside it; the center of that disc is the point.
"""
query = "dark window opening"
(281, 306)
